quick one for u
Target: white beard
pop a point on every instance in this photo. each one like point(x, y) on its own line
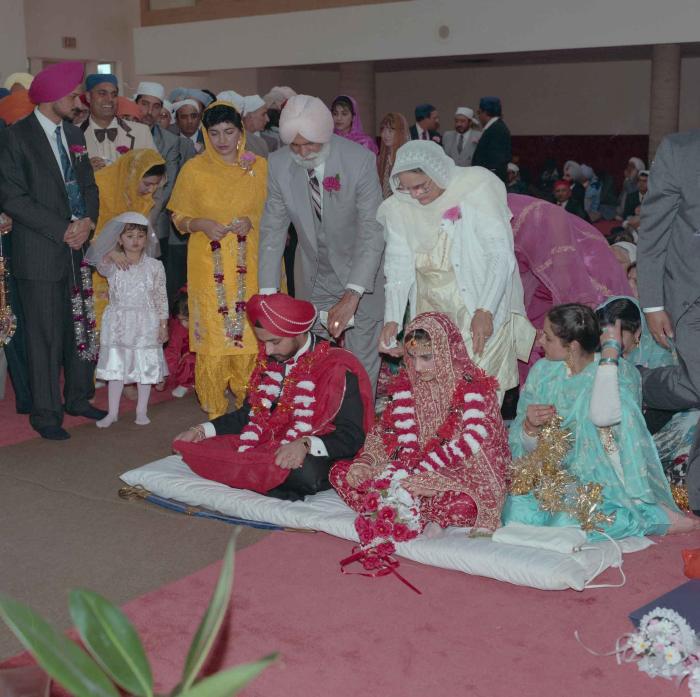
point(314, 160)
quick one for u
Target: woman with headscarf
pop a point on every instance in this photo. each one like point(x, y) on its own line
point(439, 453)
point(127, 185)
point(561, 259)
point(449, 248)
point(393, 132)
point(348, 123)
point(218, 201)
point(673, 432)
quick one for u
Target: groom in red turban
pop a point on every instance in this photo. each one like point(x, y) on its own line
point(308, 405)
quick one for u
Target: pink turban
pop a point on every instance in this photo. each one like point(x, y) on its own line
point(308, 117)
point(56, 81)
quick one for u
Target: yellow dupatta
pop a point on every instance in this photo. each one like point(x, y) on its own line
point(209, 187)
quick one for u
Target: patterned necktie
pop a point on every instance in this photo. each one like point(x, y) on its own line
point(75, 196)
point(460, 143)
point(315, 193)
point(101, 133)
point(424, 135)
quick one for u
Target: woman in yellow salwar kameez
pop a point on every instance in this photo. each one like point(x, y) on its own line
point(218, 201)
point(128, 185)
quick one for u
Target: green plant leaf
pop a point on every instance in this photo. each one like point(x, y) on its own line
point(211, 622)
point(55, 653)
point(112, 641)
point(229, 682)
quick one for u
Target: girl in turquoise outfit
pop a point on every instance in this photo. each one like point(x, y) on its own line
point(598, 397)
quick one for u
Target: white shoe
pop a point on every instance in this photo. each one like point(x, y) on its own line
point(106, 422)
point(142, 420)
point(180, 391)
point(99, 384)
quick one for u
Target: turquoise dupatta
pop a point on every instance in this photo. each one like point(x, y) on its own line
point(634, 491)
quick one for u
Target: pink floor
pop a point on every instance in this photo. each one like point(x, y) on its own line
point(348, 635)
point(15, 428)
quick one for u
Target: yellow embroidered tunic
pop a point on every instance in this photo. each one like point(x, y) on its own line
point(208, 187)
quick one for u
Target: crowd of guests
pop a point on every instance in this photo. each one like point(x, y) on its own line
point(295, 268)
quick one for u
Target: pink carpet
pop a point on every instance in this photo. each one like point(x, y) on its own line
point(15, 428)
point(349, 635)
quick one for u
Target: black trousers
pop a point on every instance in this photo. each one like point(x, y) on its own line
point(306, 480)
point(50, 347)
point(175, 270)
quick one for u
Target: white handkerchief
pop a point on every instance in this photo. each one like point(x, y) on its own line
point(556, 539)
point(323, 319)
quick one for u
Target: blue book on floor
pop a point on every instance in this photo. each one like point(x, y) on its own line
point(685, 600)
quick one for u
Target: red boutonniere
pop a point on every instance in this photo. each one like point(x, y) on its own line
point(246, 162)
point(452, 214)
point(331, 184)
point(79, 151)
point(123, 149)
point(437, 139)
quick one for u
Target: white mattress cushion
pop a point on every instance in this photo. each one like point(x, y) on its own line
point(522, 564)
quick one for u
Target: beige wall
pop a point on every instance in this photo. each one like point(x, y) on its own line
point(13, 50)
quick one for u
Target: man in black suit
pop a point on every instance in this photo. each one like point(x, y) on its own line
point(329, 387)
point(563, 197)
point(48, 188)
point(427, 124)
point(493, 150)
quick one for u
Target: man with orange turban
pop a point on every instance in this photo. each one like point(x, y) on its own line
point(309, 404)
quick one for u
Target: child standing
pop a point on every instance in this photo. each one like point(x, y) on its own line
point(134, 325)
point(177, 353)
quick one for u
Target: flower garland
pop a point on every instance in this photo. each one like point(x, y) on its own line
point(84, 318)
point(295, 403)
point(233, 326)
point(389, 512)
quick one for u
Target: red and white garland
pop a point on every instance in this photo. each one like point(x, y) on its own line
point(83, 312)
point(389, 512)
point(233, 326)
point(294, 412)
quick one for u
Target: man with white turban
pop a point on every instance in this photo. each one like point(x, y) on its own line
point(461, 143)
point(254, 120)
point(328, 188)
point(188, 119)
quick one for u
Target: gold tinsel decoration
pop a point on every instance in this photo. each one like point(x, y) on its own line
point(557, 491)
point(680, 496)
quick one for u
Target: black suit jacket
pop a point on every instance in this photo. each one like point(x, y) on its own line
point(434, 135)
point(33, 194)
point(631, 203)
point(574, 207)
point(493, 150)
point(342, 443)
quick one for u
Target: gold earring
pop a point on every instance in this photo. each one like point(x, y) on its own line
point(569, 360)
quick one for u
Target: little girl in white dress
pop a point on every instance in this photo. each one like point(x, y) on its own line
point(135, 323)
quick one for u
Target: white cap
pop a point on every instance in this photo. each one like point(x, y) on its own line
point(232, 97)
point(252, 103)
point(512, 167)
point(186, 102)
point(466, 111)
point(150, 89)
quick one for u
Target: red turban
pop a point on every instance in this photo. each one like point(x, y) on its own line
point(562, 182)
point(281, 314)
point(56, 81)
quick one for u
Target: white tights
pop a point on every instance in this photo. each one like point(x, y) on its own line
point(114, 395)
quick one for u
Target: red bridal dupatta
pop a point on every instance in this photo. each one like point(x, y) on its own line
point(446, 435)
point(562, 259)
point(311, 396)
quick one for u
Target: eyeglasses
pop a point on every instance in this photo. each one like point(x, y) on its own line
point(418, 189)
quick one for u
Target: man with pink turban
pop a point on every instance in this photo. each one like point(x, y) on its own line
point(328, 188)
point(48, 188)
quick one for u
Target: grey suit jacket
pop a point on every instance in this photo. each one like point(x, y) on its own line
point(33, 194)
point(450, 140)
point(168, 145)
point(353, 236)
point(668, 250)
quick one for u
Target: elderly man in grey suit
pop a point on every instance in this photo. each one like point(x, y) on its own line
point(461, 143)
point(175, 150)
point(328, 188)
point(668, 259)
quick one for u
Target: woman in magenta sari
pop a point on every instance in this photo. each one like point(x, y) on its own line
point(348, 123)
point(562, 259)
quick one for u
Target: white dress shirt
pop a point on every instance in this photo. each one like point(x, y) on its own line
point(491, 121)
point(50, 129)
